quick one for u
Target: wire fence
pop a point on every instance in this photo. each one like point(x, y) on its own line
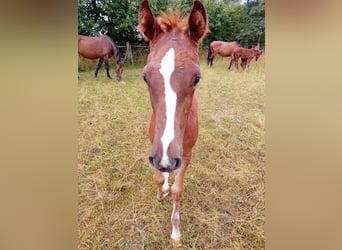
point(134, 53)
point(130, 54)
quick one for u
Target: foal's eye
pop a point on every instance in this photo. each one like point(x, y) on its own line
point(196, 80)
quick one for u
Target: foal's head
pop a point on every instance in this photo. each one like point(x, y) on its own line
point(171, 74)
point(257, 54)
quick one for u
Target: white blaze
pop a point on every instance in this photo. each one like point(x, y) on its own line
point(167, 66)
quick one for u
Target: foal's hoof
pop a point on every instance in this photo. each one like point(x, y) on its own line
point(161, 197)
point(176, 242)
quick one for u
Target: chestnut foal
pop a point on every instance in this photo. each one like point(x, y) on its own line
point(246, 56)
point(171, 74)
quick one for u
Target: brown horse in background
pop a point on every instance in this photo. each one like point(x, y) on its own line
point(171, 74)
point(246, 55)
point(221, 48)
point(103, 48)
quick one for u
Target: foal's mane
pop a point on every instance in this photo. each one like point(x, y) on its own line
point(118, 55)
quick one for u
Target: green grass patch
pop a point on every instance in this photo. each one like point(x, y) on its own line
point(224, 200)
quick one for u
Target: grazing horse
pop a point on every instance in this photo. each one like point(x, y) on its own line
point(246, 56)
point(171, 73)
point(101, 47)
point(221, 48)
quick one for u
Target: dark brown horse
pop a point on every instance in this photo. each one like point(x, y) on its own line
point(171, 74)
point(246, 55)
point(221, 48)
point(103, 48)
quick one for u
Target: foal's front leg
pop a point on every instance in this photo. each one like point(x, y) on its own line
point(177, 190)
point(162, 182)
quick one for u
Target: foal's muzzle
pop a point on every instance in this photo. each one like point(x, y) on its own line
point(173, 163)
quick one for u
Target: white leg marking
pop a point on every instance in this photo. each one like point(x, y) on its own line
point(175, 218)
point(166, 187)
point(167, 66)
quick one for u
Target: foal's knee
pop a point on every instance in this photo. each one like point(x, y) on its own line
point(158, 179)
point(177, 192)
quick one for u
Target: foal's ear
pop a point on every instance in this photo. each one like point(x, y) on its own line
point(198, 22)
point(147, 23)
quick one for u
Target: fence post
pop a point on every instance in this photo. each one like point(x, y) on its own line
point(129, 54)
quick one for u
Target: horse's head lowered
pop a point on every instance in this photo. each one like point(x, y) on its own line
point(118, 69)
point(172, 73)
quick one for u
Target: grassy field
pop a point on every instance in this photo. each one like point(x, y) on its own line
point(224, 200)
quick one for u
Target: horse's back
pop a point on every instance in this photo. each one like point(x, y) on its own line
point(107, 45)
point(94, 47)
point(224, 48)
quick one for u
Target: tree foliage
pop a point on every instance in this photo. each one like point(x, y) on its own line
point(228, 19)
point(117, 19)
point(253, 30)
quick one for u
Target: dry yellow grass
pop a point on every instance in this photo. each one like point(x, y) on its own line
point(224, 201)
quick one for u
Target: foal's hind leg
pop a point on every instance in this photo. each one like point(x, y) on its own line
point(162, 182)
point(98, 66)
point(236, 62)
point(247, 64)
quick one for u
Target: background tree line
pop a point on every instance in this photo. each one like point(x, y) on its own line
point(229, 20)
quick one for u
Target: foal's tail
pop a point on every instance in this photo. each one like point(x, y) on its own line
point(209, 56)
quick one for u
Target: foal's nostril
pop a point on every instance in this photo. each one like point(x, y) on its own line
point(178, 163)
point(172, 163)
point(151, 160)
